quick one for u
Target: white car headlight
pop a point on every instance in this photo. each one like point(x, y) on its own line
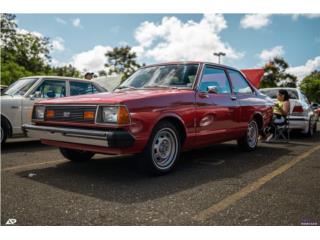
point(110, 114)
point(38, 112)
point(114, 115)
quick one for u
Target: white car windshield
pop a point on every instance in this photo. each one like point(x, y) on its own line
point(20, 87)
point(162, 76)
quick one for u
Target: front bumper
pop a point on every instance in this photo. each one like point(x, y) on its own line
point(108, 139)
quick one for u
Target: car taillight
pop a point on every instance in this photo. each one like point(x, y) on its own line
point(297, 109)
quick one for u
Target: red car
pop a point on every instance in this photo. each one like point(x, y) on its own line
point(158, 112)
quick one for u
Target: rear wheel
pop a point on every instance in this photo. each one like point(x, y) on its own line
point(76, 155)
point(311, 129)
point(4, 133)
point(249, 142)
point(162, 151)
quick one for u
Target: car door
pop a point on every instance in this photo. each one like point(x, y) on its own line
point(246, 97)
point(48, 88)
point(216, 111)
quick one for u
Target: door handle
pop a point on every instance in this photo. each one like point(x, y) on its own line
point(233, 98)
point(203, 95)
point(14, 107)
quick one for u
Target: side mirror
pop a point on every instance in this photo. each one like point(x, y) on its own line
point(212, 89)
point(36, 94)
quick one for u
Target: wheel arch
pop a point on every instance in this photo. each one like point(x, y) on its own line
point(177, 122)
point(259, 119)
point(5, 120)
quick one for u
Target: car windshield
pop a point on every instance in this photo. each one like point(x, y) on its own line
point(162, 76)
point(272, 93)
point(20, 87)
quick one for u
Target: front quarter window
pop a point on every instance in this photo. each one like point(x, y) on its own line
point(239, 84)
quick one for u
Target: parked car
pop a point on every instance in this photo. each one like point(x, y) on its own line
point(18, 99)
point(158, 112)
point(301, 115)
point(316, 109)
point(3, 88)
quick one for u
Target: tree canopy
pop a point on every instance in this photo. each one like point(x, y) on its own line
point(275, 74)
point(310, 85)
point(123, 61)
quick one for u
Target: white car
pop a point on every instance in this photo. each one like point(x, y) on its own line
point(301, 115)
point(18, 99)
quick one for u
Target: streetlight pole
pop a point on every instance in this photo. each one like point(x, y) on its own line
point(219, 54)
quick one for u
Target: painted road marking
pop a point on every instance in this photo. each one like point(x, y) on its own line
point(32, 165)
point(230, 200)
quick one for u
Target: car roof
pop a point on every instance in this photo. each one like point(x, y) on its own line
point(276, 88)
point(191, 62)
point(58, 77)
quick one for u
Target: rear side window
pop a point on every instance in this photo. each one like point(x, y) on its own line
point(239, 84)
point(214, 77)
point(80, 88)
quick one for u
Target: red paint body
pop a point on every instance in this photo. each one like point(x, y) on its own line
point(205, 120)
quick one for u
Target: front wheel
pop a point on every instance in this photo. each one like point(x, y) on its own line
point(76, 155)
point(249, 142)
point(163, 149)
point(4, 133)
point(312, 129)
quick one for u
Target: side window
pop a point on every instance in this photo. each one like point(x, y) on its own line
point(80, 88)
point(214, 77)
point(52, 89)
point(239, 84)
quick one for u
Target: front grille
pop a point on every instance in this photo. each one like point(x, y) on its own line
point(70, 113)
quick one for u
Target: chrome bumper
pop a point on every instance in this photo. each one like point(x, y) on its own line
point(113, 139)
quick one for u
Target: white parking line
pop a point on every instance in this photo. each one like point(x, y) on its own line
point(32, 165)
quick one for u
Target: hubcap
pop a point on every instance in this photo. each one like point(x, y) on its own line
point(164, 148)
point(252, 134)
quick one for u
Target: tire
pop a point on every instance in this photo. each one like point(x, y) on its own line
point(4, 133)
point(311, 129)
point(76, 155)
point(162, 151)
point(249, 142)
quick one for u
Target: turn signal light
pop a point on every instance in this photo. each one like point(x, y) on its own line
point(123, 115)
point(88, 115)
point(49, 114)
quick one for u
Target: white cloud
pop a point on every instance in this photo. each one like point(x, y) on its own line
point(173, 39)
point(24, 31)
point(303, 70)
point(307, 15)
point(268, 54)
point(92, 60)
point(60, 20)
point(76, 22)
point(255, 21)
point(57, 44)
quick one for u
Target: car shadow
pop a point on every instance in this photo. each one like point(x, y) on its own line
point(116, 179)
point(24, 146)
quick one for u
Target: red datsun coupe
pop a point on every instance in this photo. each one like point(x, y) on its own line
point(158, 112)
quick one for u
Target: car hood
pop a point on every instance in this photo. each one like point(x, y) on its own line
point(120, 97)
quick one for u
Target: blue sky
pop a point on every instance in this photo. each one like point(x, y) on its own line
point(249, 40)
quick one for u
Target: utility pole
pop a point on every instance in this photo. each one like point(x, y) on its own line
point(219, 54)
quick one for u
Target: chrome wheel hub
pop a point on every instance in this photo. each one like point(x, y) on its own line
point(252, 134)
point(164, 148)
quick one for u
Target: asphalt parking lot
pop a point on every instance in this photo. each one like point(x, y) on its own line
point(278, 184)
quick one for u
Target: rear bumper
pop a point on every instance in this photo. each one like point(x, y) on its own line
point(298, 122)
point(108, 139)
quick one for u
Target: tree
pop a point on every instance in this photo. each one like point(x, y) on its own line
point(122, 60)
point(67, 71)
point(310, 85)
point(22, 53)
point(275, 74)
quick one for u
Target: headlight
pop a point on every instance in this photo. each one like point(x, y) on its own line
point(38, 112)
point(114, 115)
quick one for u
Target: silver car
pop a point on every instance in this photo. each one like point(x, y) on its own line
point(302, 116)
point(18, 99)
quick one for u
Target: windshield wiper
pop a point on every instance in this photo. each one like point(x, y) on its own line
point(159, 86)
point(126, 87)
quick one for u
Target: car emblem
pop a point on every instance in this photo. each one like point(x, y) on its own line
point(66, 114)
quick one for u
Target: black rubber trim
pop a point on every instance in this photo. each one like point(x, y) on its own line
point(120, 139)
